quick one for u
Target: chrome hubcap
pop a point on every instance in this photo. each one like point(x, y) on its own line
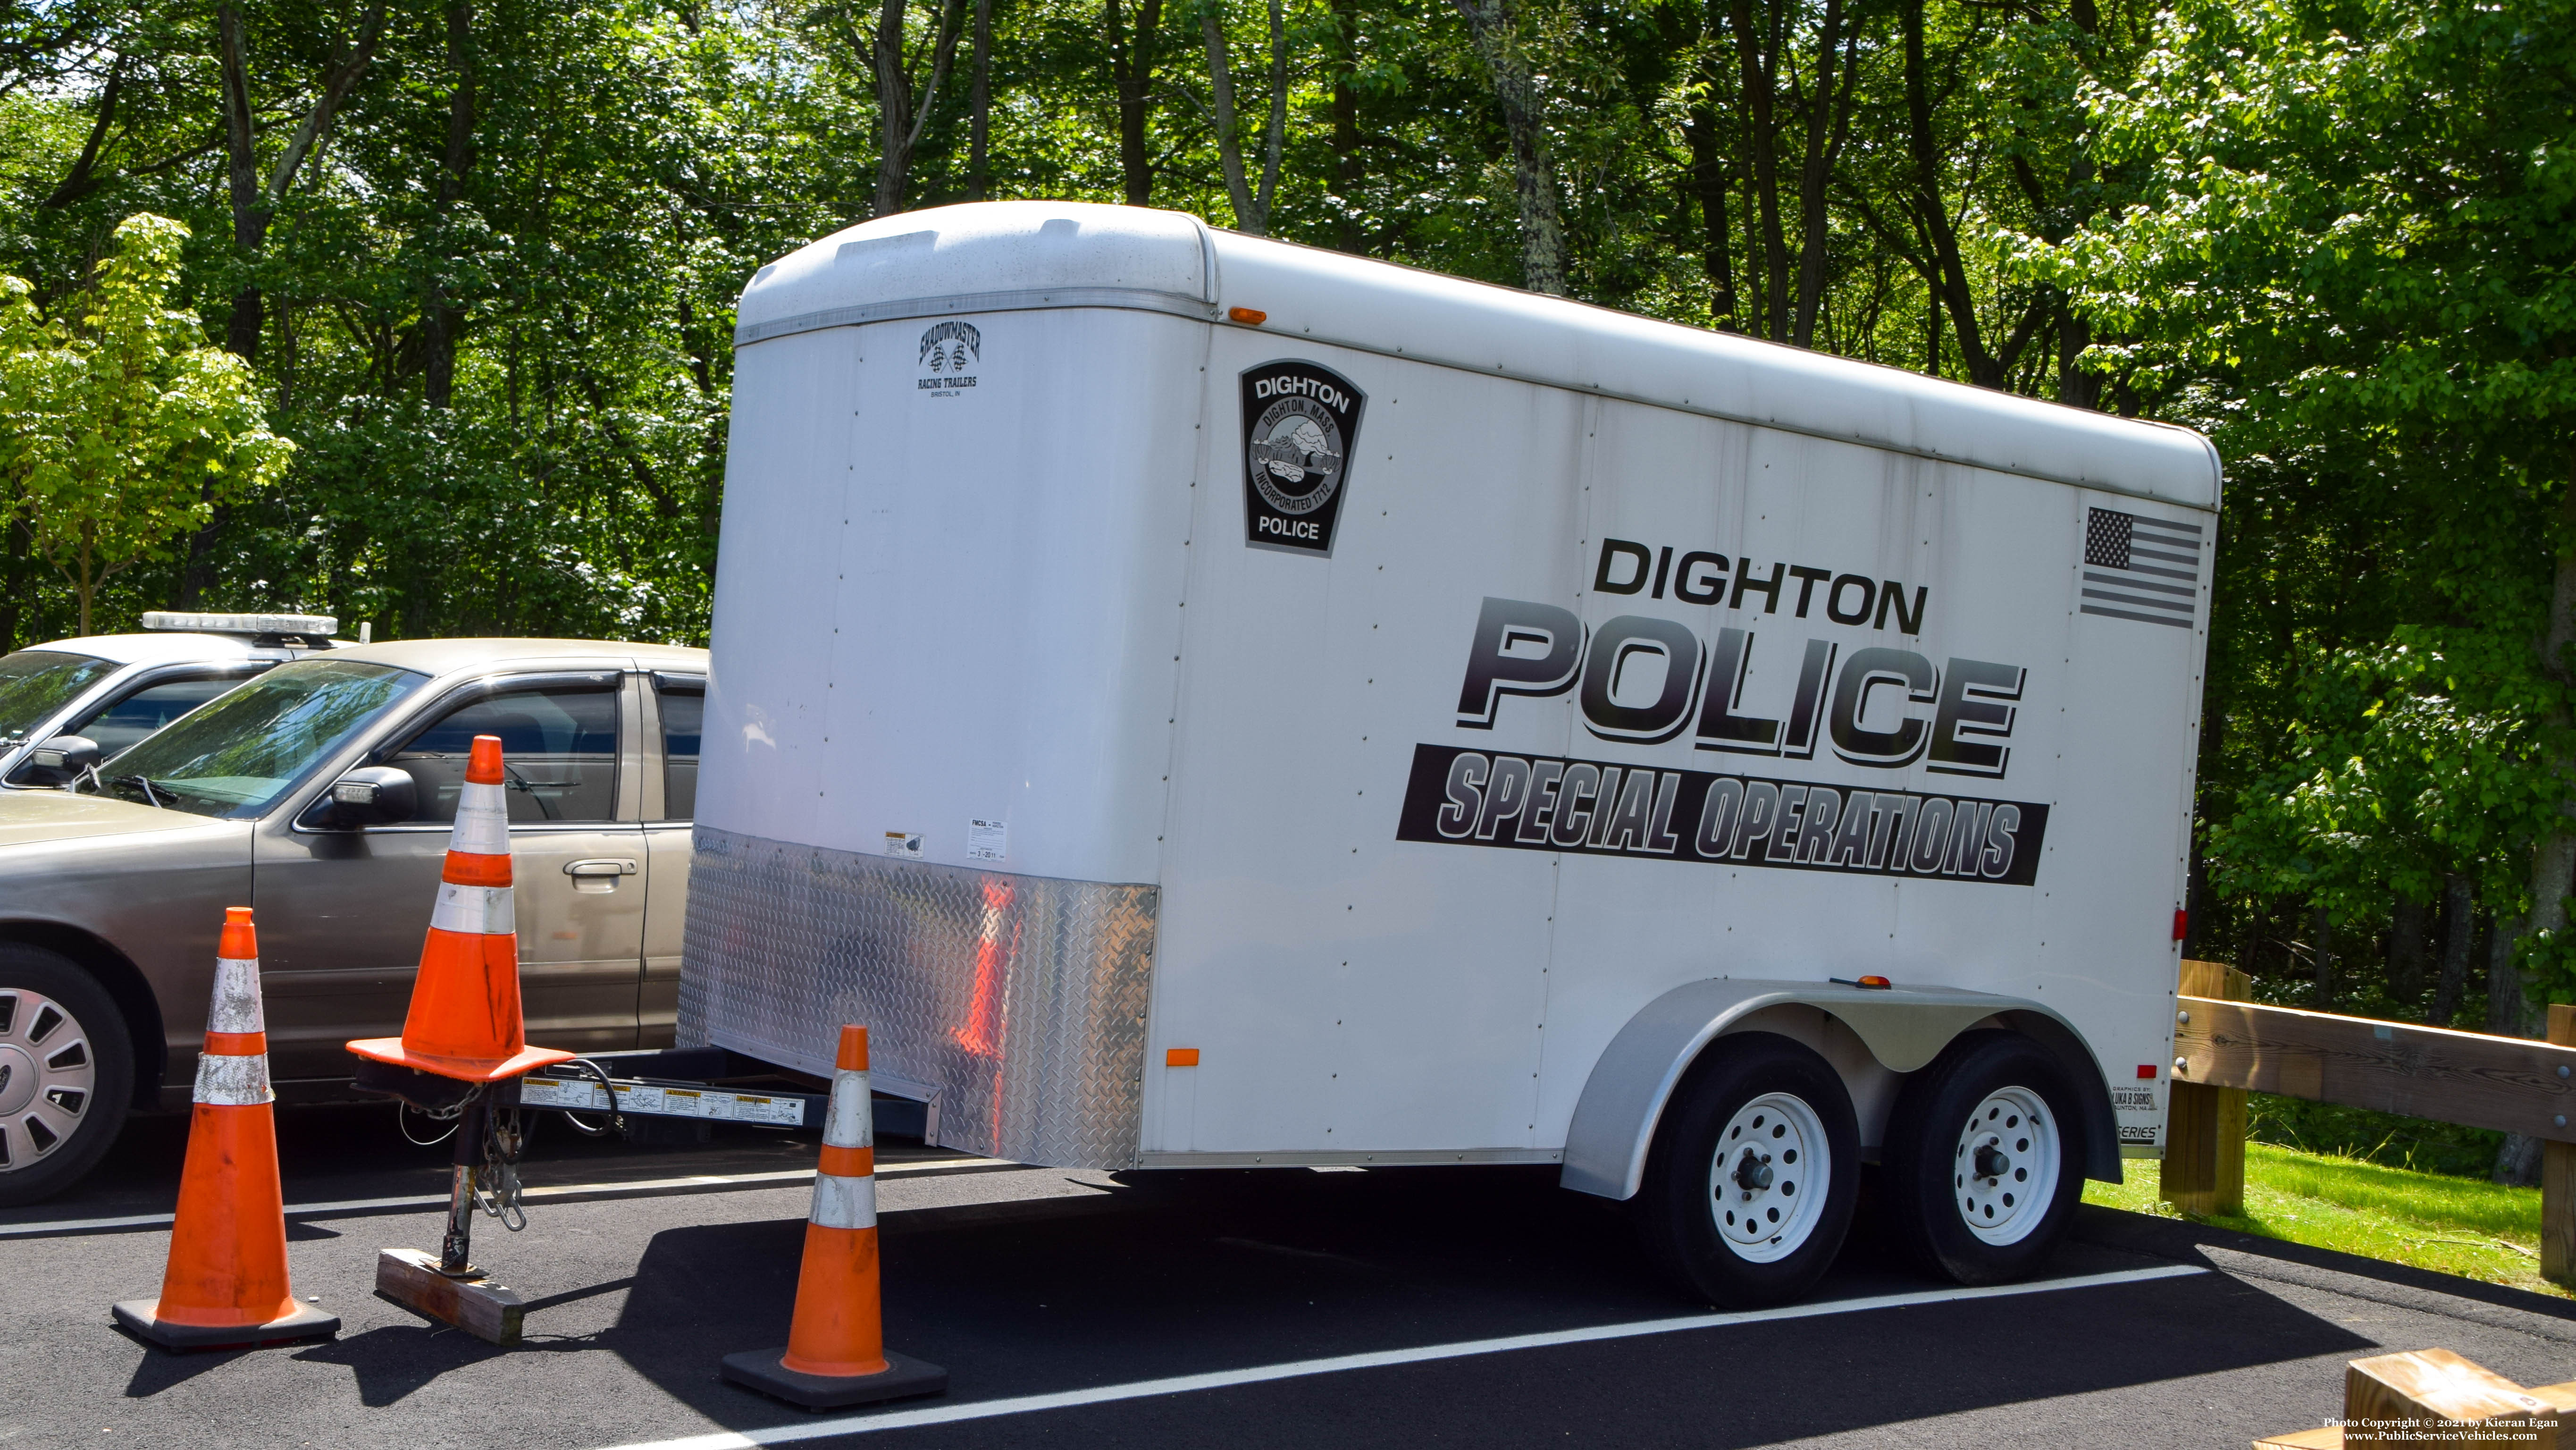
point(1767, 1180)
point(47, 1075)
point(2004, 1171)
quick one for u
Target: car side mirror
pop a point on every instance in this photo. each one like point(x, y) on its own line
point(59, 761)
point(371, 795)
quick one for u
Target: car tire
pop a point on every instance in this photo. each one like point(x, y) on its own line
point(1984, 1159)
point(66, 1073)
point(1749, 1187)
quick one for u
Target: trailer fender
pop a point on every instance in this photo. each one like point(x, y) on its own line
point(1904, 1028)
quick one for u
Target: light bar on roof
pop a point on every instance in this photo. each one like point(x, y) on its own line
point(310, 626)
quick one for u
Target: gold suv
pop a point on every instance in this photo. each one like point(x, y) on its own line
point(320, 794)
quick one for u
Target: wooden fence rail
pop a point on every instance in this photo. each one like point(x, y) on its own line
point(2226, 1046)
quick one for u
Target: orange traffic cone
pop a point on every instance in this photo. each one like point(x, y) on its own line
point(226, 1281)
point(465, 1021)
point(836, 1352)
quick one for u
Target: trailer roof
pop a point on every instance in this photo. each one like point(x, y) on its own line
point(1003, 256)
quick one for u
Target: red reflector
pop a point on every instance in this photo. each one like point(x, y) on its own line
point(2146, 1072)
point(2182, 923)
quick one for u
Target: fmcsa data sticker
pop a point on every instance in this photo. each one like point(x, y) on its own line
point(1301, 422)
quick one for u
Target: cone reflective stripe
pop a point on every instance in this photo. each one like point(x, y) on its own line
point(836, 1352)
point(232, 1072)
point(225, 1283)
point(465, 1020)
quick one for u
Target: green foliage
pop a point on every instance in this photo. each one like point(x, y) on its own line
point(490, 305)
point(120, 430)
point(2450, 1224)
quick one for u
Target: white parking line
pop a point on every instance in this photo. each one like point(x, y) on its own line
point(565, 1190)
point(1258, 1374)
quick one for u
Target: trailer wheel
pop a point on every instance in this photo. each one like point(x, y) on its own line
point(1984, 1159)
point(1750, 1186)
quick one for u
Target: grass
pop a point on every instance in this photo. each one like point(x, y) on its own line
point(2453, 1225)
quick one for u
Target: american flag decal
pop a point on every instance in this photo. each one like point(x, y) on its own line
point(2142, 569)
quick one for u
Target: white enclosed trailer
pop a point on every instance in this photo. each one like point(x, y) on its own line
point(1205, 701)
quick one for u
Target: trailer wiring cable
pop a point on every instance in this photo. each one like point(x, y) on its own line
point(616, 1119)
point(497, 1190)
point(453, 1116)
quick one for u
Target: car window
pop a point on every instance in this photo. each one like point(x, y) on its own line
point(238, 754)
point(558, 753)
point(34, 683)
point(125, 723)
point(683, 712)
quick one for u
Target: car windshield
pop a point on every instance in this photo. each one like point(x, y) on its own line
point(34, 683)
point(236, 756)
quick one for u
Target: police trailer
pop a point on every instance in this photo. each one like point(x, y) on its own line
point(1203, 701)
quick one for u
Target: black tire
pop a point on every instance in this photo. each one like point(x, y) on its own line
point(1703, 1208)
point(61, 1107)
point(1946, 1216)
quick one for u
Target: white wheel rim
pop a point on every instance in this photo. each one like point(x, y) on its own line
point(1768, 1178)
point(47, 1076)
point(2003, 1174)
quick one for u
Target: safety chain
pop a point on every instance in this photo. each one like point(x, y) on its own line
point(496, 1184)
point(452, 1115)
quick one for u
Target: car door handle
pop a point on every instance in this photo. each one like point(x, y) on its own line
point(600, 866)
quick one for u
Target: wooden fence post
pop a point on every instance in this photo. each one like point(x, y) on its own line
point(2558, 1178)
point(2203, 1172)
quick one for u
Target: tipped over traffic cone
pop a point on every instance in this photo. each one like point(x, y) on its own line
point(465, 1022)
point(836, 1352)
point(226, 1281)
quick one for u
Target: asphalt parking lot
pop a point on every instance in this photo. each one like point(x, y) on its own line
point(1477, 1307)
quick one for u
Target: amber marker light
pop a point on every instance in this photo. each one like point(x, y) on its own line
point(1248, 316)
point(1180, 1057)
point(1876, 983)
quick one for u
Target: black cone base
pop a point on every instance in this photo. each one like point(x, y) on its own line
point(902, 1378)
point(141, 1317)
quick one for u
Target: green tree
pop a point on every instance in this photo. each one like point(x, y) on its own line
point(120, 429)
point(2354, 261)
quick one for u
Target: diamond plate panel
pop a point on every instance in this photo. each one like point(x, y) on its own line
point(1018, 1001)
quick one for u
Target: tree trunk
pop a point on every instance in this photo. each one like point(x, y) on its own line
point(252, 204)
point(1229, 147)
point(1708, 187)
point(1346, 123)
point(1757, 64)
point(1491, 26)
point(1131, 72)
point(2406, 951)
point(2321, 948)
point(1251, 208)
point(899, 119)
point(2553, 856)
point(2459, 933)
point(1824, 120)
point(250, 223)
point(979, 104)
point(83, 178)
point(1948, 277)
point(1274, 130)
point(440, 320)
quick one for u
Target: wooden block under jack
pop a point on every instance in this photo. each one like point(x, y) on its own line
point(482, 1308)
point(2429, 1393)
